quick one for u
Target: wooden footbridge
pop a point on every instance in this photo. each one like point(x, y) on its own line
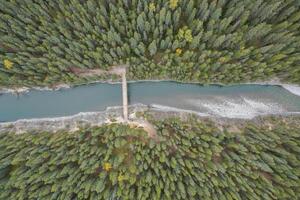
point(121, 70)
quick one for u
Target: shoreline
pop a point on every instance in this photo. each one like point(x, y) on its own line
point(71, 122)
point(141, 106)
point(98, 118)
point(111, 114)
point(293, 88)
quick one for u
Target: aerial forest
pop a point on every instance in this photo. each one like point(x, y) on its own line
point(49, 42)
point(189, 159)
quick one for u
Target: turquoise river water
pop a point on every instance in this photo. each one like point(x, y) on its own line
point(240, 101)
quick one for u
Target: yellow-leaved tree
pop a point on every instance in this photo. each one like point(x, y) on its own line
point(107, 166)
point(152, 7)
point(173, 4)
point(178, 51)
point(7, 64)
point(185, 34)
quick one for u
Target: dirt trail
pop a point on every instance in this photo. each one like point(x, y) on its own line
point(118, 70)
point(149, 128)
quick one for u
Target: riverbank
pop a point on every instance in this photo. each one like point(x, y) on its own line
point(293, 88)
point(136, 113)
point(71, 123)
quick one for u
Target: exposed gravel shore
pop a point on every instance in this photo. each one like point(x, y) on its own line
point(71, 123)
point(114, 114)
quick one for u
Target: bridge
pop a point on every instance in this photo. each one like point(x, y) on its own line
point(121, 70)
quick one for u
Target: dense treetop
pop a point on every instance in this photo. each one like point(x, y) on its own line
point(45, 42)
point(187, 160)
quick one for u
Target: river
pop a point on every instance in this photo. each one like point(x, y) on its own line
point(238, 101)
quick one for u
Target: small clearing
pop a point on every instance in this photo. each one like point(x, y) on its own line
point(118, 70)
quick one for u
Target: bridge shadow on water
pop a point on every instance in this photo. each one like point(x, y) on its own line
point(129, 93)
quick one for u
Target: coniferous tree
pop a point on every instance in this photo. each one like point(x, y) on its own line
point(48, 38)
